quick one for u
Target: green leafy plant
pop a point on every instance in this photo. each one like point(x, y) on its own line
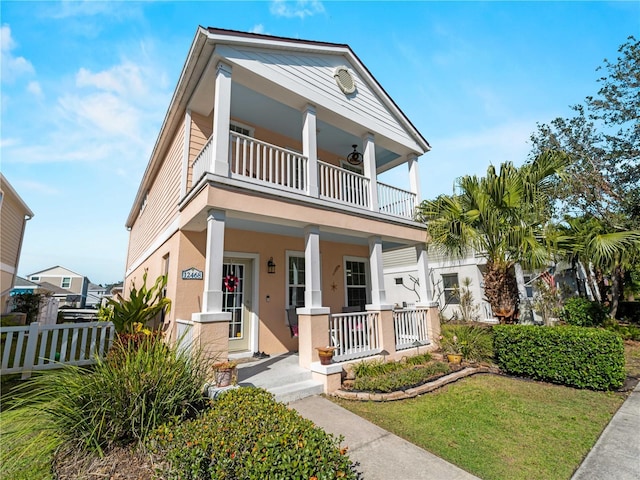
point(401, 378)
point(247, 434)
point(627, 332)
point(573, 356)
point(122, 399)
point(474, 343)
point(581, 312)
point(141, 307)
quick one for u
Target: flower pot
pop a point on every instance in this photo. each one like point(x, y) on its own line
point(223, 377)
point(454, 358)
point(326, 355)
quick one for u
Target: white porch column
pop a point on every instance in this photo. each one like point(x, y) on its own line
point(212, 295)
point(414, 176)
point(313, 287)
point(424, 289)
point(378, 293)
point(185, 153)
point(310, 147)
point(369, 160)
point(221, 118)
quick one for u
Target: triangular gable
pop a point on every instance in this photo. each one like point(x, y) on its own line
point(57, 270)
point(311, 75)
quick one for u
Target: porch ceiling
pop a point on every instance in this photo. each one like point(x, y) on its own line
point(255, 108)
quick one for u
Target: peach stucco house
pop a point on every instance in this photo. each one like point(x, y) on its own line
point(271, 239)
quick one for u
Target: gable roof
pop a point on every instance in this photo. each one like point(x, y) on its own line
point(49, 287)
point(209, 42)
point(63, 269)
point(24, 283)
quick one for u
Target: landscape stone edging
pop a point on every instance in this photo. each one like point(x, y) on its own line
point(413, 392)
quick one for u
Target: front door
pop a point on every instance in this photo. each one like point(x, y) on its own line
point(236, 299)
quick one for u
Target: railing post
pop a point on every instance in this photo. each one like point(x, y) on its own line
point(370, 172)
point(30, 354)
point(310, 148)
point(221, 117)
point(387, 332)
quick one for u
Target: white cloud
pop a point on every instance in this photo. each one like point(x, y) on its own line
point(31, 186)
point(124, 79)
point(298, 8)
point(35, 89)
point(259, 28)
point(12, 66)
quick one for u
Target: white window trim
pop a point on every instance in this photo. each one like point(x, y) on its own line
point(62, 282)
point(289, 254)
point(367, 272)
point(444, 289)
point(251, 130)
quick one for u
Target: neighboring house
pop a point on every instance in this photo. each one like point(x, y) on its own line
point(14, 215)
point(71, 288)
point(95, 293)
point(447, 277)
point(22, 285)
point(252, 204)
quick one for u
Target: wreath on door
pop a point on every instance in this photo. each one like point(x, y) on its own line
point(231, 283)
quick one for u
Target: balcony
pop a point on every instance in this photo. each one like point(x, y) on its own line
point(259, 163)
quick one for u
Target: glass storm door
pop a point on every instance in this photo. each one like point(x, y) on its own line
point(236, 299)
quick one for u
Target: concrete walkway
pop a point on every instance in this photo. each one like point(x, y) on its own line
point(382, 455)
point(616, 454)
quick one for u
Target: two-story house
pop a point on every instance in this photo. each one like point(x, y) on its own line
point(262, 204)
point(70, 287)
point(14, 214)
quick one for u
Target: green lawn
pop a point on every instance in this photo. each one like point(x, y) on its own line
point(498, 427)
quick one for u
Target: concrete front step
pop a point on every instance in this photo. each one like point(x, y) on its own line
point(280, 375)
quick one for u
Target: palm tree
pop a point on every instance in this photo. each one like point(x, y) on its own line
point(502, 217)
point(605, 250)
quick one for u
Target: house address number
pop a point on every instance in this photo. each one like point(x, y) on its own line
point(192, 274)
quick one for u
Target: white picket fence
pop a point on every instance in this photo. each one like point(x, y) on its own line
point(45, 347)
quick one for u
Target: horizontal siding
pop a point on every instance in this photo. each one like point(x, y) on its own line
point(316, 72)
point(200, 130)
point(399, 258)
point(162, 201)
point(12, 222)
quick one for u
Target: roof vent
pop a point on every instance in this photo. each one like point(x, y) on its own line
point(344, 80)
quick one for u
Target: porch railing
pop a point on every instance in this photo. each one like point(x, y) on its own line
point(354, 335)
point(265, 164)
point(262, 162)
point(45, 347)
point(396, 201)
point(410, 327)
point(343, 186)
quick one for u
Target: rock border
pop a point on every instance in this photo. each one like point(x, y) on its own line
point(415, 391)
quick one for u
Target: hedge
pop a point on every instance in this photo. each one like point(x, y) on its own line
point(574, 356)
point(248, 435)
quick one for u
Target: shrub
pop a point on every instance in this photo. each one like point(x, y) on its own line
point(573, 356)
point(581, 312)
point(123, 398)
point(627, 332)
point(247, 434)
point(372, 368)
point(418, 359)
point(472, 342)
point(400, 379)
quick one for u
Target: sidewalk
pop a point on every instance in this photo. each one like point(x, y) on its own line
point(616, 454)
point(382, 455)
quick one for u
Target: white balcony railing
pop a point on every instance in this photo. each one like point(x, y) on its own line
point(410, 328)
point(396, 201)
point(271, 166)
point(261, 162)
point(343, 186)
point(354, 335)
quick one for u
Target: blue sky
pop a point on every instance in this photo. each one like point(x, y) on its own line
point(85, 87)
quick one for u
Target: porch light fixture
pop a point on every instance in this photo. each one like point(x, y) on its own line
point(271, 267)
point(355, 157)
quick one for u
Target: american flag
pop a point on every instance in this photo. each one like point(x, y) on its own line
point(548, 278)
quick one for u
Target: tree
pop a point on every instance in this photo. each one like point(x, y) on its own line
point(601, 192)
point(501, 216)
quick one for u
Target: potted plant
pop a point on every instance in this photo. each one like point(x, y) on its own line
point(452, 348)
point(224, 372)
point(326, 354)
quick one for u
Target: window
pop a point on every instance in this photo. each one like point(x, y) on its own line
point(35, 278)
point(450, 285)
point(241, 129)
point(528, 285)
point(356, 273)
point(295, 280)
point(145, 200)
point(66, 282)
point(398, 280)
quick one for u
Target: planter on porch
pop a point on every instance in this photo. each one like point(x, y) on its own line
point(326, 354)
point(224, 373)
